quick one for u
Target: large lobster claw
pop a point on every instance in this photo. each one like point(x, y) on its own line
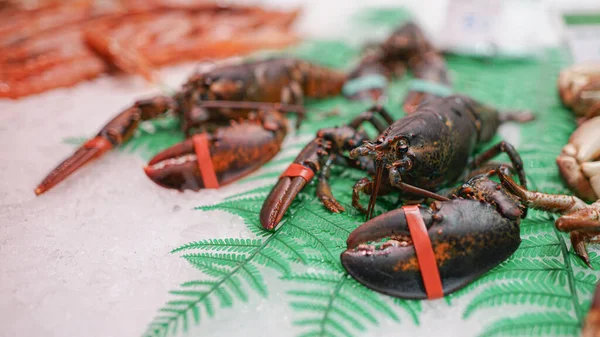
point(468, 238)
point(219, 158)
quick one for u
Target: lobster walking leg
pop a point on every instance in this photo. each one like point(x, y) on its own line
point(513, 155)
point(324, 189)
point(578, 218)
point(115, 133)
point(550, 202)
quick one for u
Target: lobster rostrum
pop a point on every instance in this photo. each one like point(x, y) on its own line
point(420, 153)
point(470, 234)
point(406, 48)
point(255, 94)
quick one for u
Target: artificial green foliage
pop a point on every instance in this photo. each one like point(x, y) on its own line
point(231, 268)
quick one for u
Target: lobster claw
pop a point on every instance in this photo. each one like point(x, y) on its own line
point(280, 199)
point(390, 268)
point(217, 159)
point(92, 149)
point(468, 238)
point(177, 167)
point(290, 183)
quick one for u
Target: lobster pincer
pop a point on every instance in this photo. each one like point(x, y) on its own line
point(429, 252)
point(317, 157)
point(211, 160)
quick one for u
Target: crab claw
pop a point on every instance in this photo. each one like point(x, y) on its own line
point(468, 239)
point(92, 149)
point(214, 160)
point(576, 161)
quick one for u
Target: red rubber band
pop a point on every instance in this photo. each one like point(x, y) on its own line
point(205, 164)
point(297, 170)
point(98, 143)
point(429, 269)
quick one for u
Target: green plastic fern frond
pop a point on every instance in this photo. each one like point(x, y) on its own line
point(334, 304)
point(228, 245)
point(232, 268)
point(536, 324)
point(520, 294)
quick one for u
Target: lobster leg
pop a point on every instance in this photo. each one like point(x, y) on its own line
point(115, 133)
point(324, 189)
point(513, 155)
point(550, 202)
point(580, 219)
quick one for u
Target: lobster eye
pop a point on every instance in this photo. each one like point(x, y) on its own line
point(403, 145)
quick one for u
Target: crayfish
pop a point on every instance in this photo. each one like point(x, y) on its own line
point(255, 94)
point(423, 152)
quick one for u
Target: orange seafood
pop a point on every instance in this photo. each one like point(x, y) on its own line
point(58, 44)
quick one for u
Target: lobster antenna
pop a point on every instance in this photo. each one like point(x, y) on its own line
point(252, 105)
point(378, 175)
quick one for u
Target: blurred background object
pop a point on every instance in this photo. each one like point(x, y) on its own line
point(51, 44)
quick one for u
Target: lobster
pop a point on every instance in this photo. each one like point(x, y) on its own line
point(470, 234)
point(406, 47)
point(210, 102)
point(423, 152)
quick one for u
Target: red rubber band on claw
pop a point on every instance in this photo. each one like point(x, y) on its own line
point(422, 243)
point(297, 170)
point(205, 164)
point(98, 143)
